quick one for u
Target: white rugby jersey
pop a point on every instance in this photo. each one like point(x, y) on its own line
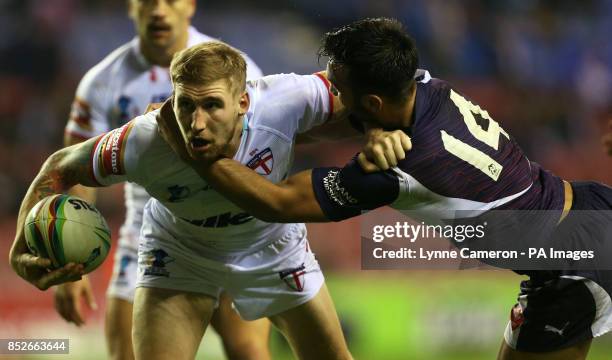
point(184, 205)
point(117, 90)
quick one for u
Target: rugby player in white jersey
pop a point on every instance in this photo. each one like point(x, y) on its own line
point(116, 90)
point(194, 243)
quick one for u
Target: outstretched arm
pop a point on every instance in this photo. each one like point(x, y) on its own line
point(62, 170)
point(292, 200)
point(317, 195)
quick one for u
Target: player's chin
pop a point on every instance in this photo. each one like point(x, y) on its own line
point(203, 156)
point(161, 41)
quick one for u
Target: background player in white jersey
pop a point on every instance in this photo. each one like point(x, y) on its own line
point(116, 90)
point(194, 243)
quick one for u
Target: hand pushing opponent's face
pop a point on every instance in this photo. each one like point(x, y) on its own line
point(209, 118)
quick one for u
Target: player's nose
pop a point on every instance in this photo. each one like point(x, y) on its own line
point(199, 120)
point(160, 8)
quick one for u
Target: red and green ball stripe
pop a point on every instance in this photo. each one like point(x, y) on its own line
point(55, 228)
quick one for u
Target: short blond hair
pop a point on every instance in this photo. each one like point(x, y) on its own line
point(209, 62)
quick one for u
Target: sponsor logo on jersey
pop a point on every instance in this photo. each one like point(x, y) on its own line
point(516, 317)
point(111, 158)
point(294, 278)
point(155, 261)
point(80, 114)
point(262, 162)
point(222, 220)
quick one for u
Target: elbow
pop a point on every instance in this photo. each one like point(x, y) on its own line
point(55, 168)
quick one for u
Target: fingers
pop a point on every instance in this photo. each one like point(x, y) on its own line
point(366, 165)
point(398, 148)
point(386, 149)
point(70, 272)
point(405, 140)
point(89, 297)
point(31, 261)
point(66, 300)
point(76, 311)
point(389, 152)
point(31, 267)
point(401, 143)
point(377, 155)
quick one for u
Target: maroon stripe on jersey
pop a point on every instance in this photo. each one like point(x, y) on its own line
point(93, 161)
point(80, 113)
point(114, 149)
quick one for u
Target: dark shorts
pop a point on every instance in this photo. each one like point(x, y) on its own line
point(559, 309)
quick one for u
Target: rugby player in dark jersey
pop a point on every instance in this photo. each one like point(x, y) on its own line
point(460, 159)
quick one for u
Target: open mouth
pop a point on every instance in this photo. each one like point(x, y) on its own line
point(199, 144)
point(159, 29)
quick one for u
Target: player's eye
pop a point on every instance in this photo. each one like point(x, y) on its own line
point(186, 105)
point(211, 105)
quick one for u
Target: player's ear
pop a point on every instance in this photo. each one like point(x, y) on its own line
point(372, 103)
point(244, 103)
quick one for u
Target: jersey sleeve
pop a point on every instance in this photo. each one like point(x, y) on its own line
point(293, 103)
point(88, 114)
point(253, 71)
point(115, 156)
point(346, 192)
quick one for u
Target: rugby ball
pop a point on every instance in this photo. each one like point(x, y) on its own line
point(66, 229)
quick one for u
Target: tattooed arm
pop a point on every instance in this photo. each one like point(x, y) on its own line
point(62, 170)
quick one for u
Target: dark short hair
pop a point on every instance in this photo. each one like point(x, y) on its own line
point(380, 56)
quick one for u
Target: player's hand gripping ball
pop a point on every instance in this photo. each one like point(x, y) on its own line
point(67, 229)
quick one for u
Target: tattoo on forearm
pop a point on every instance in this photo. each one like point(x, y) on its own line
point(48, 185)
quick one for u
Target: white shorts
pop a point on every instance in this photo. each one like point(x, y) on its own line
point(268, 281)
point(125, 273)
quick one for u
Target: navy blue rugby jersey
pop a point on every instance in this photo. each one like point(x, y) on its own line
point(461, 159)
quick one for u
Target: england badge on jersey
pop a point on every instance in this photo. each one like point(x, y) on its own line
point(262, 162)
point(294, 278)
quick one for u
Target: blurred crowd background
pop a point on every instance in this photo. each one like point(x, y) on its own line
point(543, 69)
